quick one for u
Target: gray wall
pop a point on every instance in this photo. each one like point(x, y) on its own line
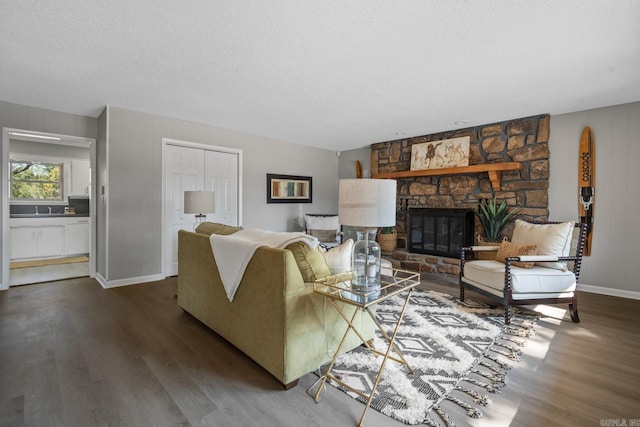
point(41, 120)
point(38, 119)
point(613, 261)
point(101, 206)
point(348, 171)
point(129, 166)
point(133, 184)
point(47, 149)
point(348, 162)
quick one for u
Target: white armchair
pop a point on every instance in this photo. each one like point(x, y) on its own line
point(536, 267)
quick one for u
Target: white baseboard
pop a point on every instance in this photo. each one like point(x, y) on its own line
point(107, 284)
point(609, 291)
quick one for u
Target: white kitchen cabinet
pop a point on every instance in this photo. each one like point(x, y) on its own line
point(77, 238)
point(33, 238)
point(51, 241)
point(24, 243)
point(80, 178)
point(40, 241)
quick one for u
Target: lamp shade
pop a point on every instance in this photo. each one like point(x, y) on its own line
point(367, 203)
point(199, 202)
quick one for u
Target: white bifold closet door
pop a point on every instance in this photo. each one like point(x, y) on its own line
point(188, 169)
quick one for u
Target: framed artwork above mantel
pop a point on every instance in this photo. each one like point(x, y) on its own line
point(289, 189)
point(442, 154)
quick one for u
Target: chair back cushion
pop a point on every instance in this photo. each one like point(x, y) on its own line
point(551, 239)
point(324, 236)
point(325, 227)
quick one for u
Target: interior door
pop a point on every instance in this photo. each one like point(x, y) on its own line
point(221, 177)
point(188, 168)
point(184, 171)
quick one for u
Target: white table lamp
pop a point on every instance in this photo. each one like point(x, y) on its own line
point(367, 204)
point(199, 203)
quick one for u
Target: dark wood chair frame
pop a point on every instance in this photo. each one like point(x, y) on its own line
point(507, 298)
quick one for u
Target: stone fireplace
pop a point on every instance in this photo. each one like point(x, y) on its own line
point(524, 141)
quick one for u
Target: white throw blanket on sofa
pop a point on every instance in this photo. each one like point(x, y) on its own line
point(233, 252)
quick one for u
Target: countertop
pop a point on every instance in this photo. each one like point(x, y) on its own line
point(46, 215)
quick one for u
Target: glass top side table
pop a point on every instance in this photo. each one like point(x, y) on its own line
point(338, 288)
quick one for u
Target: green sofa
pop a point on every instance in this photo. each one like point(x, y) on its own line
point(275, 318)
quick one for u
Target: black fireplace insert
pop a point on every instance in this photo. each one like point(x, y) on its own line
point(440, 232)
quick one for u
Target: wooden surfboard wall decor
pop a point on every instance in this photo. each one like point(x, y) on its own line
point(586, 183)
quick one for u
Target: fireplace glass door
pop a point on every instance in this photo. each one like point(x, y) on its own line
point(441, 232)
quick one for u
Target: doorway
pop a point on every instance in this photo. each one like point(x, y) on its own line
point(50, 235)
point(191, 166)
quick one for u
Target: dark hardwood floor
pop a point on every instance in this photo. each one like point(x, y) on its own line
point(74, 354)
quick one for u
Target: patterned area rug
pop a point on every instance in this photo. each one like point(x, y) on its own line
point(459, 351)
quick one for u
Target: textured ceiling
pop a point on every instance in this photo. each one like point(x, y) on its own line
point(327, 73)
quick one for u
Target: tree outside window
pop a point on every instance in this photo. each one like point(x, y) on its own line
point(36, 181)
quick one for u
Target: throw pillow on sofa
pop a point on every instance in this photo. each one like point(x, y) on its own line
point(310, 262)
point(338, 258)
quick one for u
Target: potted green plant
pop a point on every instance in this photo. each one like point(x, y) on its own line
point(388, 238)
point(494, 217)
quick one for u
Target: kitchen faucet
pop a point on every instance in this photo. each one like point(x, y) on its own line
point(49, 207)
point(37, 213)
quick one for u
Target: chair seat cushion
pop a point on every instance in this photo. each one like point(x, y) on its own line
point(536, 280)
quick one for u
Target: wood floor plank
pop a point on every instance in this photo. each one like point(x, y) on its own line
point(43, 404)
point(74, 354)
point(12, 411)
point(190, 399)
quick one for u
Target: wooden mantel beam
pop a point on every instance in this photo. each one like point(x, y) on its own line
point(494, 169)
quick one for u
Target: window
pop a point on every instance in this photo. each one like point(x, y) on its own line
point(36, 181)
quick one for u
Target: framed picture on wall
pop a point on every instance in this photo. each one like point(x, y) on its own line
point(446, 153)
point(288, 189)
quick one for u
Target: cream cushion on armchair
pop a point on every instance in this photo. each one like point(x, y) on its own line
point(551, 239)
point(526, 283)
